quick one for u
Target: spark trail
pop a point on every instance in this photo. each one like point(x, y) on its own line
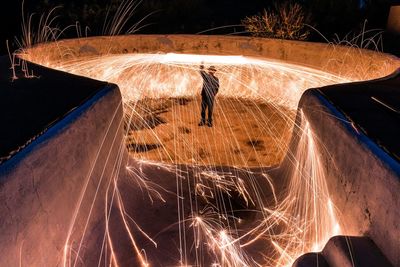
point(226, 216)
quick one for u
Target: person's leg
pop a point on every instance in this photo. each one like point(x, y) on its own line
point(203, 111)
point(210, 111)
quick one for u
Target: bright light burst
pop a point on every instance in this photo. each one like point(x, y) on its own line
point(175, 75)
point(214, 202)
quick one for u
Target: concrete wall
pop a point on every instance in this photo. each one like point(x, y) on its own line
point(43, 185)
point(357, 64)
point(362, 179)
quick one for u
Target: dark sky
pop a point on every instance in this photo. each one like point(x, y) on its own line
point(193, 16)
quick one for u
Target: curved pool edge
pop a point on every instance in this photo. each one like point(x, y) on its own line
point(53, 189)
point(345, 61)
point(363, 178)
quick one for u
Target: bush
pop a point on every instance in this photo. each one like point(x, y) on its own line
point(287, 21)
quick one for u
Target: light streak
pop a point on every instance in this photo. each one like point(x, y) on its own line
point(274, 81)
point(210, 197)
point(385, 104)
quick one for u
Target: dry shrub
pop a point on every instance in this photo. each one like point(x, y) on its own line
point(287, 21)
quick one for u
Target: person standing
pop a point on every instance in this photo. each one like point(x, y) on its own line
point(208, 93)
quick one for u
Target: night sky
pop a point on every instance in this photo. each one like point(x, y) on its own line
point(194, 16)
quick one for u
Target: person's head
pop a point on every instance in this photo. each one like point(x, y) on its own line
point(212, 69)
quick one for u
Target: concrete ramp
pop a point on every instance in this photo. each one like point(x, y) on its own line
point(357, 126)
point(345, 251)
point(66, 145)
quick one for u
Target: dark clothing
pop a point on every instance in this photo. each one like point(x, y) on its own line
point(206, 103)
point(208, 92)
point(210, 84)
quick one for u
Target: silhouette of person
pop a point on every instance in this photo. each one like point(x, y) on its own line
point(208, 92)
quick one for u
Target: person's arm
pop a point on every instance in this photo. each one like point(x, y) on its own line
point(202, 72)
point(216, 85)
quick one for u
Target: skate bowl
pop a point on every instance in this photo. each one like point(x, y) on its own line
point(350, 62)
point(56, 180)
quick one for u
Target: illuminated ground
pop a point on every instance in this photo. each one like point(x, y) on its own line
point(245, 133)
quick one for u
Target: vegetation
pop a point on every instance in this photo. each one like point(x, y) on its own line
point(285, 21)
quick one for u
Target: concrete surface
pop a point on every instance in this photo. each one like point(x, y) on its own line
point(362, 178)
point(350, 62)
point(158, 219)
point(373, 108)
point(311, 260)
point(345, 251)
point(352, 251)
point(55, 185)
point(30, 106)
